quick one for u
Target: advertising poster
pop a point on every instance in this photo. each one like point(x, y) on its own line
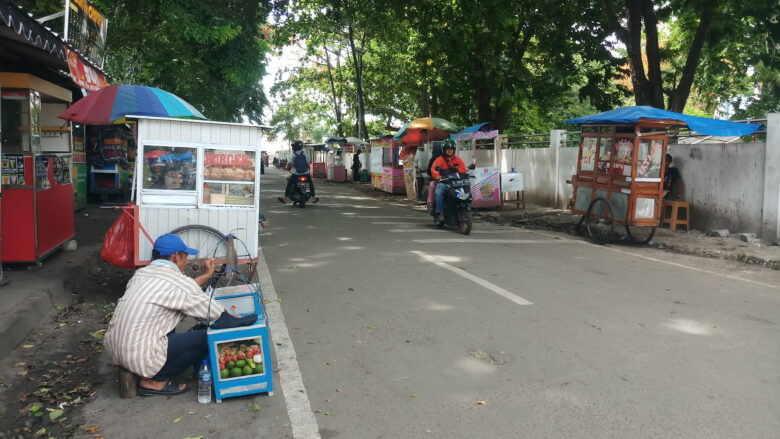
point(485, 188)
point(13, 169)
point(86, 29)
point(409, 179)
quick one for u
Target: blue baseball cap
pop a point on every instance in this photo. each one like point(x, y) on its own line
point(169, 244)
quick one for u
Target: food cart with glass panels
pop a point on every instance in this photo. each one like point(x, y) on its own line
point(621, 164)
point(199, 180)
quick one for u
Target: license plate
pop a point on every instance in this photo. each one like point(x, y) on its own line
point(303, 185)
point(463, 196)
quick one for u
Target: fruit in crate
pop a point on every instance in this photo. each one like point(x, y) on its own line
point(248, 370)
point(224, 373)
point(236, 372)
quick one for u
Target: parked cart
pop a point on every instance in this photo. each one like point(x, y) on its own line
point(621, 164)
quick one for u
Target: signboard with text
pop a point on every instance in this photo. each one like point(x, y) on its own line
point(86, 29)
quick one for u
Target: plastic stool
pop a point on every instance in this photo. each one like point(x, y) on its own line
point(671, 214)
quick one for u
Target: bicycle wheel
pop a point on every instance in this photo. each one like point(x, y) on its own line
point(599, 221)
point(210, 243)
point(640, 235)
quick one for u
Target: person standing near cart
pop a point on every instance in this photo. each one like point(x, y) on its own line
point(356, 165)
point(141, 336)
point(673, 182)
point(300, 166)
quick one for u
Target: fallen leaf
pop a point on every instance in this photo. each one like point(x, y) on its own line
point(412, 395)
point(92, 428)
point(279, 300)
point(34, 409)
point(255, 408)
point(358, 342)
point(22, 373)
point(370, 326)
point(105, 284)
point(55, 414)
point(480, 402)
point(266, 301)
point(190, 413)
point(98, 334)
point(194, 437)
point(81, 360)
point(28, 346)
point(339, 390)
point(327, 363)
point(350, 289)
point(176, 420)
point(328, 413)
point(40, 432)
point(19, 364)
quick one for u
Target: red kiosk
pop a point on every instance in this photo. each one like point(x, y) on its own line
point(37, 214)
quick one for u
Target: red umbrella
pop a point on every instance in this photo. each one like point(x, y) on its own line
point(156, 154)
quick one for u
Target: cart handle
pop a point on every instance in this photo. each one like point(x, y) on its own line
point(140, 226)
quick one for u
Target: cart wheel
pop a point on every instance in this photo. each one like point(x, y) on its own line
point(640, 235)
point(599, 221)
point(211, 243)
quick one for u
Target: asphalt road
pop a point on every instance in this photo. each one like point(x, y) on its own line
point(401, 330)
point(386, 327)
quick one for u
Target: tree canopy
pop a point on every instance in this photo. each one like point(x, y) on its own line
point(211, 54)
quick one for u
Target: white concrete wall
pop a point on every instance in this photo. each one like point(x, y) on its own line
point(770, 227)
point(724, 182)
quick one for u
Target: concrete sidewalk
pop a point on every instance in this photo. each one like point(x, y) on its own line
point(753, 251)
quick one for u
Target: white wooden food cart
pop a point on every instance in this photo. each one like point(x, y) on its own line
point(201, 181)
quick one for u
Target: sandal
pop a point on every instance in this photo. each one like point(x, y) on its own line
point(169, 389)
point(281, 200)
point(315, 200)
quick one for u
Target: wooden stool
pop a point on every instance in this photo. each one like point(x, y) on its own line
point(128, 383)
point(670, 214)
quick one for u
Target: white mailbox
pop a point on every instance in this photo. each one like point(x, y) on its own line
point(512, 182)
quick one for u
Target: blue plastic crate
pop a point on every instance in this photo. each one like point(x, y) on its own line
point(241, 300)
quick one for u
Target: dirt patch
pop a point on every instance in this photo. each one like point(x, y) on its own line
point(54, 373)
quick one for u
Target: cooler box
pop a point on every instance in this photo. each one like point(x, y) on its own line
point(242, 300)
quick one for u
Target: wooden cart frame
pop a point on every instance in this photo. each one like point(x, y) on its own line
point(620, 175)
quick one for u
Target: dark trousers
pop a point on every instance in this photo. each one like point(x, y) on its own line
point(184, 350)
point(356, 174)
point(288, 191)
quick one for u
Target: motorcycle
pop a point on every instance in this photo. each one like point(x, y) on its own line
point(301, 190)
point(457, 202)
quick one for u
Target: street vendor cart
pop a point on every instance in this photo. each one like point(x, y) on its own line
point(199, 180)
point(621, 164)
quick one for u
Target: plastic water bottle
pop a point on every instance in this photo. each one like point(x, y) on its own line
point(204, 383)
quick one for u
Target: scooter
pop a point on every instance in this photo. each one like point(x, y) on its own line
point(457, 202)
point(301, 190)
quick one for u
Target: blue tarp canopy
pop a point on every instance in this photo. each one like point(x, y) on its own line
point(702, 125)
point(485, 126)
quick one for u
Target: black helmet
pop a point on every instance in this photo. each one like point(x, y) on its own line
point(447, 144)
point(297, 145)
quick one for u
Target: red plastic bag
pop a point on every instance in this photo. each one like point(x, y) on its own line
point(118, 243)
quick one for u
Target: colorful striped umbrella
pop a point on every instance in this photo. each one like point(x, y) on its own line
point(113, 103)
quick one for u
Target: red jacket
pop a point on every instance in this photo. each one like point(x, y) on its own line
point(446, 163)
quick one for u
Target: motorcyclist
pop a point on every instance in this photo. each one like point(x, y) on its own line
point(450, 163)
point(300, 166)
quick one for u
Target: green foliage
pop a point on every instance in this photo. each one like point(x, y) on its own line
point(211, 54)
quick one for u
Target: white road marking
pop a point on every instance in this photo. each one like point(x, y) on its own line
point(432, 229)
point(492, 287)
point(384, 217)
point(302, 420)
point(497, 241)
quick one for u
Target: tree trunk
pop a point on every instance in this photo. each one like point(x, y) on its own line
point(633, 42)
point(336, 100)
point(482, 89)
point(679, 96)
point(357, 59)
point(655, 83)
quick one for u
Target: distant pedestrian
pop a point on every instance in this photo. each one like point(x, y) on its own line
point(356, 165)
point(673, 182)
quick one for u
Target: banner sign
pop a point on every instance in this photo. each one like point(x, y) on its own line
point(485, 189)
point(85, 76)
point(86, 29)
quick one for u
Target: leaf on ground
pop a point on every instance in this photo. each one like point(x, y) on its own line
point(412, 395)
point(176, 420)
point(339, 390)
point(370, 326)
point(98, 334)
point(480, 402)
point(194, 437)
point(40, 432)
point(60, 307)
point(55, 414)
point(480, 354)
point(328, 413)
point(92, 428)
point(34, 409)
point(19, 364)
point(350, 289)
point(28, 346)
point(22, 373)
point(255, 408)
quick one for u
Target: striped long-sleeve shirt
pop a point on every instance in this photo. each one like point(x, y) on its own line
point(156, 300)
